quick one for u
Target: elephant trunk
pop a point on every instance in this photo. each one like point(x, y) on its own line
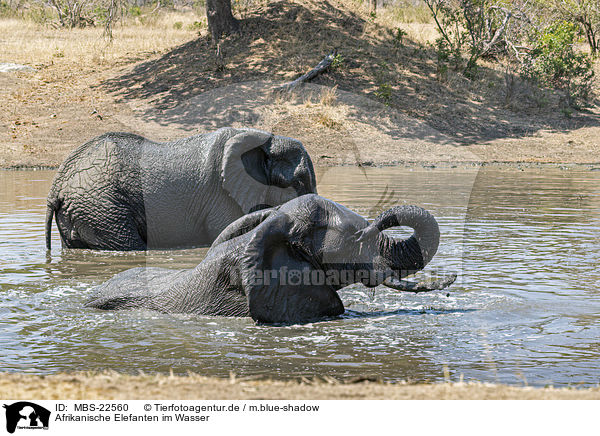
point(407, 256)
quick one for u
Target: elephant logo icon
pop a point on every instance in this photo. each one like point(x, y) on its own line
point(26, 415)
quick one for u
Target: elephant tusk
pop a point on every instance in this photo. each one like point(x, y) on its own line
point(406, 286)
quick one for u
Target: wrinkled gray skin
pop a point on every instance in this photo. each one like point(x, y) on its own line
point(309, 234)
point(121, 191)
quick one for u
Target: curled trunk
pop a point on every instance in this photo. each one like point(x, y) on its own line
point(409, 255)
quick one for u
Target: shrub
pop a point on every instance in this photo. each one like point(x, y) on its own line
point(338, 62)
point(195, 26)
point(477, 28)
point(5, 9)
point(384, 93)
point(585, 13)
point(554, 63)
point(443, 53)
point(101, 13)
point(135, 11)
point(399, 37)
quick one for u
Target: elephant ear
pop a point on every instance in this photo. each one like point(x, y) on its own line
point(250, 192)
point(281, 280)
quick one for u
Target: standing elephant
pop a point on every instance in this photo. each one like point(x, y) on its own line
point(284, 264)
point(121, 191)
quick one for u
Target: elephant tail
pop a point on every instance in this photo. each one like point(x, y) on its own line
point(49, 215)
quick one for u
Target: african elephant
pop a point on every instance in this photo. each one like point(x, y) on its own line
point(121, 191)
point(284, 264)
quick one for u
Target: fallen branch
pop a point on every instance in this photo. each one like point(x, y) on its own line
point(319, 69)
point(406, 286)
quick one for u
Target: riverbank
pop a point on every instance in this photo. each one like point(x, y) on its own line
point(159, 77)
point(336, 127)
point(113, 386)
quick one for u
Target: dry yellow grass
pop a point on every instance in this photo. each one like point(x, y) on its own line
point(112, 386)
point(420, 32)
point(416, 21)
point(318, 108)
point(34, 44)
point(60, 105)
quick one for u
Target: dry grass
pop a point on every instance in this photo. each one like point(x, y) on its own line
point(325, 110)
point(321, 109)
point(54, 109)
point(112, 386)
point(424, 33)
point(46, 113)
point(415, 20)
point(406, 11)
point(36, 44)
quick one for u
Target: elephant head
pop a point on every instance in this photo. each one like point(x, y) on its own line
point(306, 250)
point(385, 256)
point(285, 264)
point(261, 170)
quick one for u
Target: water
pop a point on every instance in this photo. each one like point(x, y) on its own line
point(526, 308)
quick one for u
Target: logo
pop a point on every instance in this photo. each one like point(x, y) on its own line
point(26, 415)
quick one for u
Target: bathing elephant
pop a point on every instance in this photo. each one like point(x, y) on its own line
point(121, 191)
point(284, 264)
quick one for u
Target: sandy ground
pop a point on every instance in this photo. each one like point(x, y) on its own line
point(112, 386)
point(337, 127)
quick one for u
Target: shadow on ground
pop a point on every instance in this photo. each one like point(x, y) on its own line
point(191, 87)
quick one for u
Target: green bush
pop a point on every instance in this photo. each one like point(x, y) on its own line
point(135, 11)
point(338, 62)
point(555, 63)
point(443, 52)
point(195, 26)
point(399, 37)
point(584, 13)
point(475, 28)
point(384, 93)
point(100, 13)
point(5, 10)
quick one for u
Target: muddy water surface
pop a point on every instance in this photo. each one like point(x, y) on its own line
point(526, 308)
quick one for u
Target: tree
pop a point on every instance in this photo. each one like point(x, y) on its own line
point(73, 13)
point(480, 28)
point(584, 12)
point(555, 63)
point(220, 19)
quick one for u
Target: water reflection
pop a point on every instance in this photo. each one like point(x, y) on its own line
point(525, 244)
